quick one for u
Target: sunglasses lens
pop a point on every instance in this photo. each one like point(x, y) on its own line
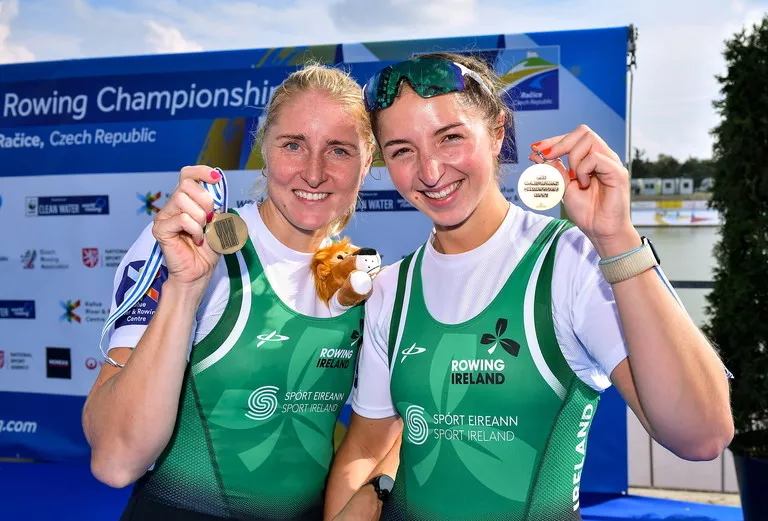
point(428, 77)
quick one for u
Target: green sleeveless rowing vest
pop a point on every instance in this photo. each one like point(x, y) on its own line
point(260, 401)
point(495, 421)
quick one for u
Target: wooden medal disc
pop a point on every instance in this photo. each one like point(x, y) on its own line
point(226, 233)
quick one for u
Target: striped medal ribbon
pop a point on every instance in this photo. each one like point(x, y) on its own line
point(227, 233)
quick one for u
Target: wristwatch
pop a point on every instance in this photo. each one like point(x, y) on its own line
point(629, 264)
point(382, 485)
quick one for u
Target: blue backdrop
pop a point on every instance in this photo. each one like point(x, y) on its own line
point(92, 148)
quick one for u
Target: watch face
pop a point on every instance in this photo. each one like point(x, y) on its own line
point(386, 483)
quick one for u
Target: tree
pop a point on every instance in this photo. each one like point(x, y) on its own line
point(738, 305)
point(667, 166)
point(641, 167)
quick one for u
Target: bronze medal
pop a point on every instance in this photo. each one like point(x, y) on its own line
point(226, 233)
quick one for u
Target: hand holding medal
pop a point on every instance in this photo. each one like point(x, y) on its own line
point(596, 184)
point(225, 232)
point(541, 186)
point(191, 231)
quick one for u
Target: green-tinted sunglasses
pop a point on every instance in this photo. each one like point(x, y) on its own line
point(427, 76)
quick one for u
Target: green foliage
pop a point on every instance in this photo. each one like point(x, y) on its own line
point(667, 166)
point(738, 305)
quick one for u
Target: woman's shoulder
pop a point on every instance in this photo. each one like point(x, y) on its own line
point(249, 213)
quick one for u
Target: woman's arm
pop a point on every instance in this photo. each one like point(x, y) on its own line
point(370, 448)
point(130, 413)
point(672, 379)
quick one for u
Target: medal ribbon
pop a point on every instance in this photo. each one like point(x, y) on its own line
point(147, 274)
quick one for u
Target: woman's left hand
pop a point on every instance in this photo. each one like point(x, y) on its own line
point(597, 196)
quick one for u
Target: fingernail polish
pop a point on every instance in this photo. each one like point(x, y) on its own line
point(536, 145)
point(580, 185)
point(215, 175)
point(209, 217)
point(201, 242)
point(572, 174)
point(546, 151)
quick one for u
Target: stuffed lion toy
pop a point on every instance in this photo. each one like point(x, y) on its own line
point(345, 272)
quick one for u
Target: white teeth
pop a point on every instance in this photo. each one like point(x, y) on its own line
point(310, 196)
point(445, 192)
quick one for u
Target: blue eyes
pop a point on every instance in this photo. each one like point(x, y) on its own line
point(294, 147)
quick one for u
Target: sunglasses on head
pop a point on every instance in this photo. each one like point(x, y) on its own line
point(427, 77)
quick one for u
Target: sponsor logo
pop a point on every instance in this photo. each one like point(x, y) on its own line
point(15, 360)
point(58, 205)
point(143, 311)
point(509, 345)
point(416, 424)
point(262, 403)
point(335, 358)
point(382, 201)
point(90, 257)
point(17, 309)
point(486, 371)
point(357, 335)
point(302, 402)
point(148, 201)
point(108, 258)
point(58, 362)
point(530, 77)
point(69, 314)
point(270, 337)
point(112, 257)
point(49, 260)
point(413, 350)
point(28, 259)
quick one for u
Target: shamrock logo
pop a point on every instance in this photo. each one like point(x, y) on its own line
point(509, 345)
point(357, 336)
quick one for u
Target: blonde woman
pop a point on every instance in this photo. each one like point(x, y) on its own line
point(221, 395)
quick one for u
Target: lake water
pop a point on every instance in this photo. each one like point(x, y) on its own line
point(686, 255)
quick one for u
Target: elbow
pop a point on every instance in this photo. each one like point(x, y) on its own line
point(111, 471)
point(708, 447)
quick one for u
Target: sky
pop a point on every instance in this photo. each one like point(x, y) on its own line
point(679, 47)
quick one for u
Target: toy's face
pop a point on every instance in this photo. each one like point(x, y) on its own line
point(368, 260)
point(363, 259)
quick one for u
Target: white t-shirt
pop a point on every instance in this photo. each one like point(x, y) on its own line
point(287, 270)
point(584, 311)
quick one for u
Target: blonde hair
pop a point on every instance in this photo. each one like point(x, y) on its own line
point(340, 87)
